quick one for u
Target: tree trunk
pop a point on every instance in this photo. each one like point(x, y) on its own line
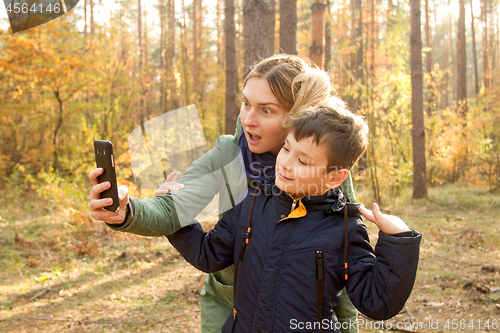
point(85, 18)
point(122, 33)
point(486, 67)
point(446, 68)
point(452, 55)
point(163, 85)
point(328, 38)
point(428, 60)
point(197, 11)
point(139, 33)
point(474, 54)
point(142, 111)
point(461, 63)
point(288, 26)
point(92, 17)
point(256, 14)
point(231, 70)
point(373, 37)
point(171, 82)
point(317, 32)
point(417, 105)
point(184, 56)
point(220, 58)
point(357, 43)
point(55, 162)
point(272, 26)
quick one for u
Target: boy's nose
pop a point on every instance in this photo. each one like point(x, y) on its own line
point(284, 164)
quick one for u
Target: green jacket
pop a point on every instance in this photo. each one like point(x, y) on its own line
point(216, 172)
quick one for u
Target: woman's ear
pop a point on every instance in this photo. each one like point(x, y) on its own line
point(336, 178)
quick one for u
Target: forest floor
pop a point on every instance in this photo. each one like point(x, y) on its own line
point(58, 275)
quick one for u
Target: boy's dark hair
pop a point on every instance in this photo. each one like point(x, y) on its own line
point(343, 134)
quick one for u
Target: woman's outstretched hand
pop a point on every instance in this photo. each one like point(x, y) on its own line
point(170, 184)
point(97, 204)
point(388, 224)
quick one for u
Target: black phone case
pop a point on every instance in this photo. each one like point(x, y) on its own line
point(104, 158)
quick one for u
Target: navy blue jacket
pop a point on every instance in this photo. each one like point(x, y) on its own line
point(276, 289)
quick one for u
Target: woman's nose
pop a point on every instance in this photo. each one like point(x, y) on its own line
point(251, 119)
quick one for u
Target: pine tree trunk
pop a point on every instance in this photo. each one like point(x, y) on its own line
point(446, 68)
point(220, 59)
point(428, 60)
point(494, 44)
point(92, 17)
point(196, 47)
point(373, 38)
point(170, 56)
point(184, 56)
point(328, 38)
point(231, 70)
point(288, 26)
point(417, 103)
point(452, 55)
point(317, 32)
point(256, 17)
point(272, 26)
point(85, 18)
point(142, 111)
point(486, 67)
point(474, 54)
point(461, 62)
point(357, 43)
point(163, 85)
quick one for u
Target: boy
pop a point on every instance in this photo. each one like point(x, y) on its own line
point(288, 272)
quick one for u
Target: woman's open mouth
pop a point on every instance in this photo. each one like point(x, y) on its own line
point(253, 139)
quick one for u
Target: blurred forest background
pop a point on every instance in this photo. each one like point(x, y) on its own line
point(415, 69)
point(75, 79)
point(79, 78)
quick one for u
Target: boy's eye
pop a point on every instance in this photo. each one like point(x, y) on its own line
point(302, 162)
point(285, 148)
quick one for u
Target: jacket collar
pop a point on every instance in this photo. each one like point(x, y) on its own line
point(330, 202)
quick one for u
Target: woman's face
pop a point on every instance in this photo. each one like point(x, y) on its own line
point(262, 117)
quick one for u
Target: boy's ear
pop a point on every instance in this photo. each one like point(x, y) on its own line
point(336, 178)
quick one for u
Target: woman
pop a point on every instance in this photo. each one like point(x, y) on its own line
point(275, 88)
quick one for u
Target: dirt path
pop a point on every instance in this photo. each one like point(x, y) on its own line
point(55, 278)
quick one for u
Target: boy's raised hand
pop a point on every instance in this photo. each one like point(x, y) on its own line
point(388, 224)
point(170, 184)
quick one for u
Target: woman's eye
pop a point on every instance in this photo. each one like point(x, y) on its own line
point(267, 111)
point(245, 103)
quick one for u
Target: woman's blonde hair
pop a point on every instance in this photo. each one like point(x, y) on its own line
point(295, 82)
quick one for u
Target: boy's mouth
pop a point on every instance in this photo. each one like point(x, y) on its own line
point(283, 177)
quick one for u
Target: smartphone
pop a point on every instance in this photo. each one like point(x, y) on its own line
point(104, 159)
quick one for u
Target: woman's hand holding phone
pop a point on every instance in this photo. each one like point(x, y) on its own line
point(97, 204)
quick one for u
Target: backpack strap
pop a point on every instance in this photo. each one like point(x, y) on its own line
point(346, 241)
point(246, 239)
point(319, 285)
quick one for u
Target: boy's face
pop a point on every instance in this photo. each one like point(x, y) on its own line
point(301, 168)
